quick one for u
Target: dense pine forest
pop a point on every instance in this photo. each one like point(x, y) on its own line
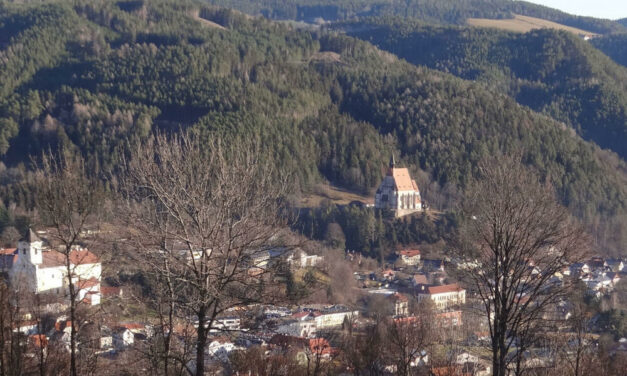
point(433, 11)
point(92, 76)
point(549, 71)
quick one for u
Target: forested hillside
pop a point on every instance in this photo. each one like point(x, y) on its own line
point(92, 75)
point(614, 46)
point(432, 11)
point(552, 72)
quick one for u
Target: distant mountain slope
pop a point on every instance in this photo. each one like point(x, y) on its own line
point(523, 24)
point(432, 11)
point(552, 72)
point(614, 46)
point(324, 106)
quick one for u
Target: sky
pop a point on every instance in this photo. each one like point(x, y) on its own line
point(611, 9)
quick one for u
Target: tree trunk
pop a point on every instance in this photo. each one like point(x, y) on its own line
point(201, 343)
point(73, 371)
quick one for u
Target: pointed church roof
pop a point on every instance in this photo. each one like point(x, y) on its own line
point(402, 180)
point(392, 161)
point(30, 237)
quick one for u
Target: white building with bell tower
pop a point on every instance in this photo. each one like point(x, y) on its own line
point(398, 192)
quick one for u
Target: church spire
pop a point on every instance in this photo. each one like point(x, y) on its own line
point(392, 161)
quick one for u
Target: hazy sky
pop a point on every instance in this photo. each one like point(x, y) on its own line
point(612, 9)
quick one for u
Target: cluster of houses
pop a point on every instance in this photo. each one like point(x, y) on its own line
point(600, 275)
point(303, 330)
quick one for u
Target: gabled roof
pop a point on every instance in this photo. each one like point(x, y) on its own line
point(87, 283)
point(8, 251)
point(409, 252)
point(420, 279)
point(402, 180)
point(53, 258)
point(444, 289)
point(399, 297)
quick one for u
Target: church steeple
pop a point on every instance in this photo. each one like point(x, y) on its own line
point(392, 161)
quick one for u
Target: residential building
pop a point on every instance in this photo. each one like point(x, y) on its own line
point(410, 256)
point(229, 323)
point(299, 259)
point(444, 296)
point(401, 304)
point(419, 279)
point(615, 265)
point(123, 337)
point(333, 317)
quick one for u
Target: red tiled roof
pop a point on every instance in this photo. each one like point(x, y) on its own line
point(420, 279)
point(87, 283)
point(444, 289)
point(110, 291)
point(300, 315)
point(413, 183)
point(133, 326)
point(398, 296)
point(320, 346)
point(402, 180)
point(53, 258)
point(410, 252)
point(448, 371)
point(7, 251)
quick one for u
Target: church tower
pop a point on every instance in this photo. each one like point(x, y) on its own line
point(31, 247)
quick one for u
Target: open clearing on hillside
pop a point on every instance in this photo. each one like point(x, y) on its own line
point(336, 195)
point(523, 24)
point(196, 16)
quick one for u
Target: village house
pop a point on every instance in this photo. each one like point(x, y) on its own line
point(333, 317)
point(443, 297)
point(33, 268)
point(615, 265)
point(228, 323)
point(122, 337)
point(579, 268)
point(221, 348)
point(410, 256)
point(388, 275)
point(300, 324)
point(419, 279)
point(448, 319)
point(398, 192)
point(299, 259)
point(401, 304)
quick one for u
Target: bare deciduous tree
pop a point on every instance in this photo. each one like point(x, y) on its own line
point(407, 337)
point(11, 347)
point(514, 239)
point(68, 201)
point(203, 218)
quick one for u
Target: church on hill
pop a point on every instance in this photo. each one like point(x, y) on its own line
point(398, 192)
